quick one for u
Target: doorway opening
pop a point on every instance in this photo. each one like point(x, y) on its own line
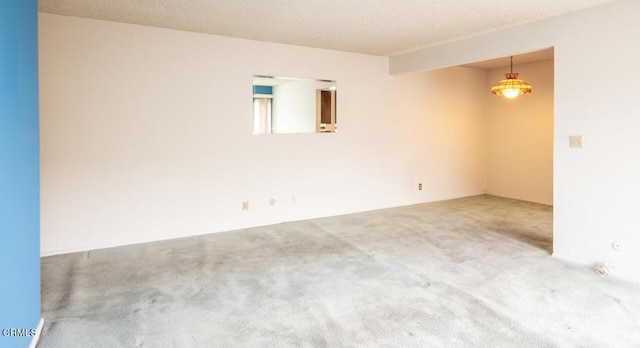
point(519, 143)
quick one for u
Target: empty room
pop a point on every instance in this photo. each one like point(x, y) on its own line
point(280, 173)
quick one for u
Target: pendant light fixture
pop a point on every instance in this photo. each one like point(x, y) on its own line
point(512, 86)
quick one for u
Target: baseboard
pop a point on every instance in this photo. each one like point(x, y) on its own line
point(520, 199)
point(36, 337)
point(569, 259)
point(631, 278)
point(229, 228)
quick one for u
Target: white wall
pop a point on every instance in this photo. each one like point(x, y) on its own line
point(468, 140)
point(146, 134)
point(519, 136)
point(441, 116)
point(595, 188)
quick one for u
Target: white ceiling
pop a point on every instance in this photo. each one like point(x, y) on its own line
point(378, 27)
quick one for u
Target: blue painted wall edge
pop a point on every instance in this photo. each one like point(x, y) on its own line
point(19, 173)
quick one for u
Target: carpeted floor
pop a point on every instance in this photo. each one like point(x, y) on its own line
point(471, 272)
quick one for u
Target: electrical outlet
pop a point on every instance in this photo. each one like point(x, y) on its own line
point(616, 245)
point(575, 141)
point(420, 187)
point(245, 205)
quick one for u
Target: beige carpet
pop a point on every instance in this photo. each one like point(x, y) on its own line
point(472, 272)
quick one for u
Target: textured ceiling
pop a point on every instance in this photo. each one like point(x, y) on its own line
point(379, 27)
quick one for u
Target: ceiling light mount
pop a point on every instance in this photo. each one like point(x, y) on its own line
point(512, 86)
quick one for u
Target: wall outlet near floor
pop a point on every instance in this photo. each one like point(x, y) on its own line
point(245, 205)
point(575, 141)
point(419, 186)
point(616, 245)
